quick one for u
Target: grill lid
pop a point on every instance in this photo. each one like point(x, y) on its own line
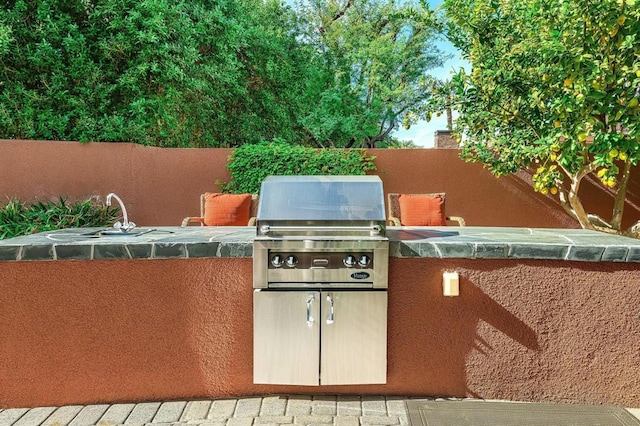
point(321, 198)
point(321, 206)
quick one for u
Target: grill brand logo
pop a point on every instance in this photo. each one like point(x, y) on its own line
point(360, 275)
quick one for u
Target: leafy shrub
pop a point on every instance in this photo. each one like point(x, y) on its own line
point(250, 164)
point(158, 72)
point(18, 218)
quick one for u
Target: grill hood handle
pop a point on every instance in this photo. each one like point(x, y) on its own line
point(266, 229)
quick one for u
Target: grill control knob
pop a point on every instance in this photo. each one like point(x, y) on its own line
point(277, 261)
point(291, 261)
point(364, 260)
point(349, 261)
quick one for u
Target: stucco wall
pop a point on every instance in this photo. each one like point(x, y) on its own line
point(107, 331)
point(84, 332)
point(162, 186)
point(158, 186)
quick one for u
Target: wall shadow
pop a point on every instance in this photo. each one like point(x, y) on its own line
point(432, 335)
point(596, 198)
point(485, 309)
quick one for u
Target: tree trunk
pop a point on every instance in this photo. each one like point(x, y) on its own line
point(618, 206)
point(449, 114)
point(576, 210)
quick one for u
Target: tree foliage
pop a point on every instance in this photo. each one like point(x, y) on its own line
point(554, 86)
point(376, 55)
point(215, 73)
point(157, 72)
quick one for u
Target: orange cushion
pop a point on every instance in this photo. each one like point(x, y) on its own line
point(226, 209)
point(422, 210)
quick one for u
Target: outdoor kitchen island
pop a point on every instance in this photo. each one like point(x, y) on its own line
point(542, 315)
point(404, 242)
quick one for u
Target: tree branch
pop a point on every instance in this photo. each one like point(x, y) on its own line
point(510, 114)
point(570, 201)
point(564, 202)
point(382, 134)
point(573, 206)
point(340, 13)
point(574, 200)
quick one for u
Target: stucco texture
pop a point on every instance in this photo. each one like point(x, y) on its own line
point(74, 332)
point(161, 186)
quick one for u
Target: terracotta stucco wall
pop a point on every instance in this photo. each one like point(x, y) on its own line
point(158, 186)
point(107, 331)
point(162, 186)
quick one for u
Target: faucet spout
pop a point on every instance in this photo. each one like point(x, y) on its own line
point(125, 226)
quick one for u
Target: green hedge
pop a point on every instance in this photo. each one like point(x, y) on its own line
point(18, 218)
point(251, 163)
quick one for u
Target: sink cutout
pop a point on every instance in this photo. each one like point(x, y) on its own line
point(117, 233)
point(102, 234)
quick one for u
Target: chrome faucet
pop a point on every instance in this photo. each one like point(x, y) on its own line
point(125, 226)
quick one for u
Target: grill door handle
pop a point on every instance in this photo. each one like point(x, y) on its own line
point(331, 316)
point(310, 319)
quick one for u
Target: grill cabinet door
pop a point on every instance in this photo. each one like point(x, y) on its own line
point(354, 337)
point(286, 337)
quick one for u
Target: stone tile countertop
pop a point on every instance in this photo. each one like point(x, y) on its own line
point(405, 242)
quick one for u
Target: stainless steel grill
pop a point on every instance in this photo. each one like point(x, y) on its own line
point(321, 231)
point(320, 265)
